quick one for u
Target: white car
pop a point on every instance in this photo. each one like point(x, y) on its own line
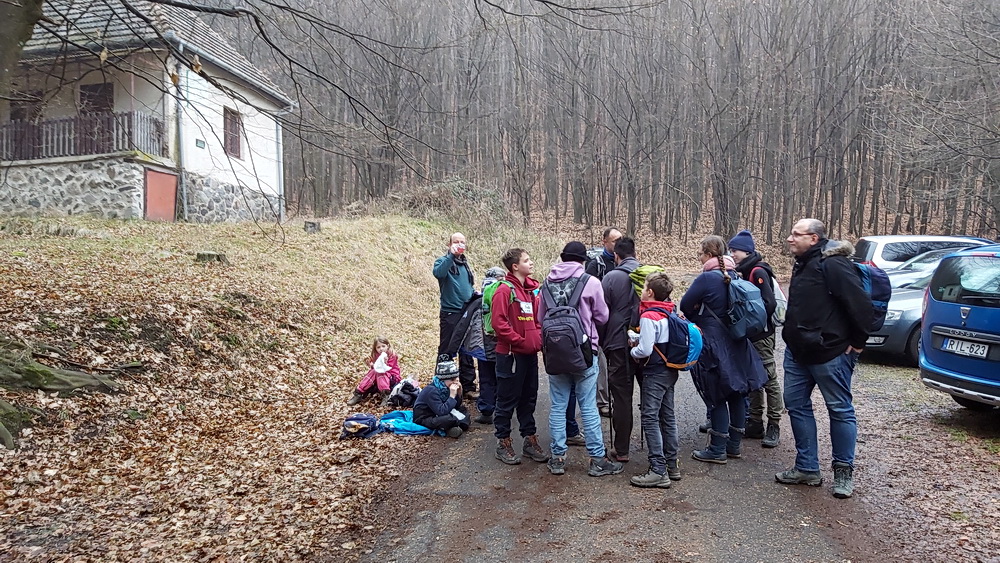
point(890, 251)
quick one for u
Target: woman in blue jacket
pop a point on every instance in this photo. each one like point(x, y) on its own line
point(727, 369)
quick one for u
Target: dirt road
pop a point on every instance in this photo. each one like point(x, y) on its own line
point(469, 506)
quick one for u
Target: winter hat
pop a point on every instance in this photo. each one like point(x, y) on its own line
point(742, 241)
point(574, 252)
point(446, 370)
point(493, 274)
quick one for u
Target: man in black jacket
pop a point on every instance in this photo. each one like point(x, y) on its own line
point(598, 267)
point(623, 312)
point(751, 265)
point(826, 327)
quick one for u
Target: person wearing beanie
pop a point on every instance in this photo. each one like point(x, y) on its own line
point(752, 267)
point(439, 405)
point(561, 284)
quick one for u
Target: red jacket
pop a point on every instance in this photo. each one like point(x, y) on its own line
point(518, 329)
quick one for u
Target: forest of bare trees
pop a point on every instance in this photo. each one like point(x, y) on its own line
point(678, 116)
point(877, 115)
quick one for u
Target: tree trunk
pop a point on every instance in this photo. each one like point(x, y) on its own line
point(20, 19)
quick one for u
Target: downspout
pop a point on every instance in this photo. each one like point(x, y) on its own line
point(180, 127)
point(280, 159)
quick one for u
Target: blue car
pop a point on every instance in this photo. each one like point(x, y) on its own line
point(960, 334)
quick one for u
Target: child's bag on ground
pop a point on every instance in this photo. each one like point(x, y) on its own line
point(404, 394)
point(360, 425)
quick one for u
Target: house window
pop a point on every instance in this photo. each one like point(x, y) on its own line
point(232, 124)
point(26, 106)
point(97, 98)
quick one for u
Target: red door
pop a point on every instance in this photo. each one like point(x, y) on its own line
point(161, 196)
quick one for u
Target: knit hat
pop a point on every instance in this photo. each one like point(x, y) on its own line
point(742, 241)
point(574, 252)
point(446, 370)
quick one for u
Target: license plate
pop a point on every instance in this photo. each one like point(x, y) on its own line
point(965, 348)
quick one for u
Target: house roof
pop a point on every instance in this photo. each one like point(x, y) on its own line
point(94, 25)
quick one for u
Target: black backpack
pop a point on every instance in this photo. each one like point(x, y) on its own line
point(565, 346)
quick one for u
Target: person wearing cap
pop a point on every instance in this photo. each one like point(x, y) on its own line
point(752, 267)
point(561, 282)
point(487, 401)
point(439, 405)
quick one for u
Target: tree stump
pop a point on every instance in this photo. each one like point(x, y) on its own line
point(311, 227)
point(210, 256)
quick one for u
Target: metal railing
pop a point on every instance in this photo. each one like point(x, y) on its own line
point(92, 133)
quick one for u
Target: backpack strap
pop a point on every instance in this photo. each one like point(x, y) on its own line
point(581, 284)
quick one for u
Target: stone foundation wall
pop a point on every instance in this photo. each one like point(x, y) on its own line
point(109, 188)
point(113, 188)
point(212, 201)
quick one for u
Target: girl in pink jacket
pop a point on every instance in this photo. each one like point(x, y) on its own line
point(383, 373)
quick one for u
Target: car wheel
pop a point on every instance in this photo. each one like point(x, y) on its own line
point(913, 347)
point(972, 405)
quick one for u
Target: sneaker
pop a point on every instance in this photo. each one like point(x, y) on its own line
point(703, 428)
point(454, 432)
point(755, 429)
point(708, 457)
point(577, 440)
point(532, 449)
point(601, 466)
point(355, 399)
point(843, 480)
point(771, 436)
point(650, 480)
point(604, 411)
point(673, 470)
point(795, 477)
point(557, 465)
point(484, 418)
point(506, 453)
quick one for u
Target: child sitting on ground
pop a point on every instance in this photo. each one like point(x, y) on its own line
point(439, 405)
point(383, 373)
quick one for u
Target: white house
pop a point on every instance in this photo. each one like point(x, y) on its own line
point(127, 116)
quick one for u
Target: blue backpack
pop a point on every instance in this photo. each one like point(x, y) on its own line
point(746, 316)
point(876, 284)
point(684, 341)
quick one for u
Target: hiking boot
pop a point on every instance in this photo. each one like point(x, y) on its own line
point(604, 411)
point(454, 432)
point(708, 456)
point(734, 443)
point(651, 480)
point(795, 477)
point(577, 440)
point(771, 436)
point(484, 418)
point(703, 428)
point(385, 400)
point(601, 466)
point(532, 449)
point(716, 450)
point(557, 465)
point(355, 399)
point(755, 429)
point(843, 480)
point(673, 470)
point(506, 453)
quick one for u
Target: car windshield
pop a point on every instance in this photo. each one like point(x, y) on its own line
point(925, 261)
point(969, 280)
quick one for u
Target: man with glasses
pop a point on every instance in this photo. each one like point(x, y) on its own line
point(826, 326)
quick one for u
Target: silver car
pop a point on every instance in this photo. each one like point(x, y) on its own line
point(900, 335)
point(918, 267)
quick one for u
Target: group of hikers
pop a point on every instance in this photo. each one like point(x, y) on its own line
point(602, 329)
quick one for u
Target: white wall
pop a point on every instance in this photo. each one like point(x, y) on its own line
point(258, 166)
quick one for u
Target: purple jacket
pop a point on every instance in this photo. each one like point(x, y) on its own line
point(593, 309)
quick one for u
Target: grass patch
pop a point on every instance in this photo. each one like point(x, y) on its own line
point(958, 434)
point(958, 516)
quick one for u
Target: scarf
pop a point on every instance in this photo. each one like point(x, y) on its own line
point(608, 255)
point(713, 264)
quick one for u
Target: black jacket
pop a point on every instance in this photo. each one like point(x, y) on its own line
point(623, 305)
point(594, 266)
point(763, 283)
point(827, 311)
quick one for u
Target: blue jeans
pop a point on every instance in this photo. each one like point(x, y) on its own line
point(560, 388)
point(734, 409)
point(656, 415)
point(572, 427)
point(517, 390)
point(834, 381)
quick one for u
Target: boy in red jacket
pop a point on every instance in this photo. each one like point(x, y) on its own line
point(519, 339)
